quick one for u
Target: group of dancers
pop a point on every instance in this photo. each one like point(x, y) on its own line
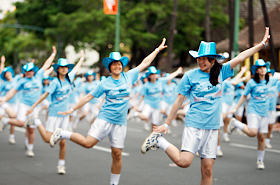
point(201, 91)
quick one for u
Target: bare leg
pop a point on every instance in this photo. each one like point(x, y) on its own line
point(261, 141)
point(87, 142)
point(181, 159)
point(117, 160)
point(62, 149)
point(206, 171)
point(31, 135)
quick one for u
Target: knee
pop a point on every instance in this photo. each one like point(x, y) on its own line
point(183, 164)
point(117, 155)
point(62, 143)
point(207, 171)
point(88, 145)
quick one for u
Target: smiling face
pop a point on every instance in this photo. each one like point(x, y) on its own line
point(204, 64)
point(63, 70)
point(90, 78)
point(8, 75)
point(116, 67)
point(262, 70)
point(29, 74)
point(153, 77)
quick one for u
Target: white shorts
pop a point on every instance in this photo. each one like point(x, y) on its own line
point(57, 122)
point(152, 113)
point(13, 106)
point(226, 108)
point(203, 141)
point(166, 107)
point(116, 133)
point(259, 122)
point(239, 111)
point(92, 108)
point(22, 110)
point(221, 121)
point(271, 117)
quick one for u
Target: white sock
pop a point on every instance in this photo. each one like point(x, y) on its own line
point(136, 114)
point(37, 122)
point(115, 179)
point(12, 136)
point(225, 135)
point(260, 155)
point(267, 140)
point(30, 147)
point(218, 147)
point(5, 121)
point(163, 143)
point(238, 124)
point(26, 141)
point(61, 162)
point(65, 134)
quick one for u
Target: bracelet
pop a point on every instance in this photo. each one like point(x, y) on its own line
point(264, 43)
point(53, 54)
point(82, 58)
point(244, 78)
point(71, 110)
point(166, 126)
point(157, 50)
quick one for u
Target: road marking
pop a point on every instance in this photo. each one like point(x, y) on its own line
point(108, 150)
point(134, 130)
point(253, 147)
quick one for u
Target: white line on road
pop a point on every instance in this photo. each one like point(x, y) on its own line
point(253, 147)
point(108, 150)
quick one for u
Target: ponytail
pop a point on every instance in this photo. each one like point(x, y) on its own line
point(214, 71)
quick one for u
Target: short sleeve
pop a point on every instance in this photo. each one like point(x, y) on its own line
point(184, 85)
point(226, 71)
point(163, 80)
point(19, 85)
point(71, 76)
point(40, 74)
point(98, 91)
point(52, 87)
point(248, 88)
point(133, 74)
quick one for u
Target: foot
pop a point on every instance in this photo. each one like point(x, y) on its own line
point(12, 141)
point(146, 127)
point(268, 145)
point(29, 121)
point(150, 142)
point(220, 153)
point(56, 136)
point(231, 126)
point(260, 165)
point(29, 153)
point(61, 170)
point(226, 139)
point(2, 125)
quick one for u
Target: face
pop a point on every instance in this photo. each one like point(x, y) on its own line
point(8, 75)
point(63, 70)
point(29, 74)
point(46, 82)
point(145, 80)
point(90, 78)
point(153, 77)
point(116, 67)
point(204, 64)
point(262, 70)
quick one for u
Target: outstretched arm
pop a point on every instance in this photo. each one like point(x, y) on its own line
point(79, 64)
point(49, 61)
point(2, 65)
point(175, 73)
point(44, 96)
point(148, 60)
point(48, 71)
point(249, 52)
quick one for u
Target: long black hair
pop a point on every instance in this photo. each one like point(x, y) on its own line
point(214, 71)
point(257, 78)
point(67, 78)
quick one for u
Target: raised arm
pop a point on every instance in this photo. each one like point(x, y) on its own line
point(48, 71)
point(2, 65)
point(49, 61)
point(237, 79)
point(249, 52)
point(79, 64)
point(175, 73)
point(148, 60)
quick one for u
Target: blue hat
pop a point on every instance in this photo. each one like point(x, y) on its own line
point(29, 67)
point(63, 62)
point(259, 63)
point(239, 85)
point(103, 78)
point(143, 77)
point(7, 69)
point(206, 49)
point(272, 71)
point(114, 56)
point(152, 70)
point(47, 78)
point(90, 72)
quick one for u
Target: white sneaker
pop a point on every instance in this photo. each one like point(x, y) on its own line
point(268, 145)
point(12, 141)
point(29, 121)
point(260, 165)
point(174, 123)
point(150, 142)
point(147, 127)
point(61, 170)
point(231, 126)
point(220, 153)
point(29, 153)
point(226, 139)
point(2, 125)
point(55, 137)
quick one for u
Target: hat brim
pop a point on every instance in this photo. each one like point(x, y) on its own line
point(254, 67)
point(70, 67)
point(35, 69)
point(195, 54)
point(8, 70)
point(107, 61)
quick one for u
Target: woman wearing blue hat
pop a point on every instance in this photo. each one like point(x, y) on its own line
point(30, 86)
point(111, 120)
point(258, 107)
point(59, 89)
point(203, 86)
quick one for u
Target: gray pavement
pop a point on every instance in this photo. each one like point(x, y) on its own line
point(92, 166)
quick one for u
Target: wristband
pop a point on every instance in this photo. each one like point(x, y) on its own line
point(82, 58)
point(166, 126)
point(264, 43)
point(71, 110)
point(244, 78)
point(53, 54)
point(157, 50)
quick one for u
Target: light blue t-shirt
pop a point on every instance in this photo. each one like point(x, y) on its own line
point(60, 93)
point(205, 105)
point(228, 92)
point(44, 89)
point(152, 92)
point(238, 93)
point(117, 93)
point(6, 86)
point(169, 93)
point(273, 93)
point(88, 87)
point(31, 88)
point(258, 103)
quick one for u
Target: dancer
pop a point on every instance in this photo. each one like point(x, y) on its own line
point(111, 119)
point(203, 118)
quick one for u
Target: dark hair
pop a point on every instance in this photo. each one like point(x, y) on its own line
point(109, 67)
point(67, 77)
point(257, 77)
point(214, 71)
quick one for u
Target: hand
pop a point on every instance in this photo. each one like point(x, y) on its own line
point(54, 50)
point(82, 54)
point(65, 113)
point(2, 100)
point(162, 46)
point(180, 70)
point(266, 36)
point(29, 111)
point(3, 59)
point(244, 69)
point(160, 129)
point(33, 60)
point(232, 111)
